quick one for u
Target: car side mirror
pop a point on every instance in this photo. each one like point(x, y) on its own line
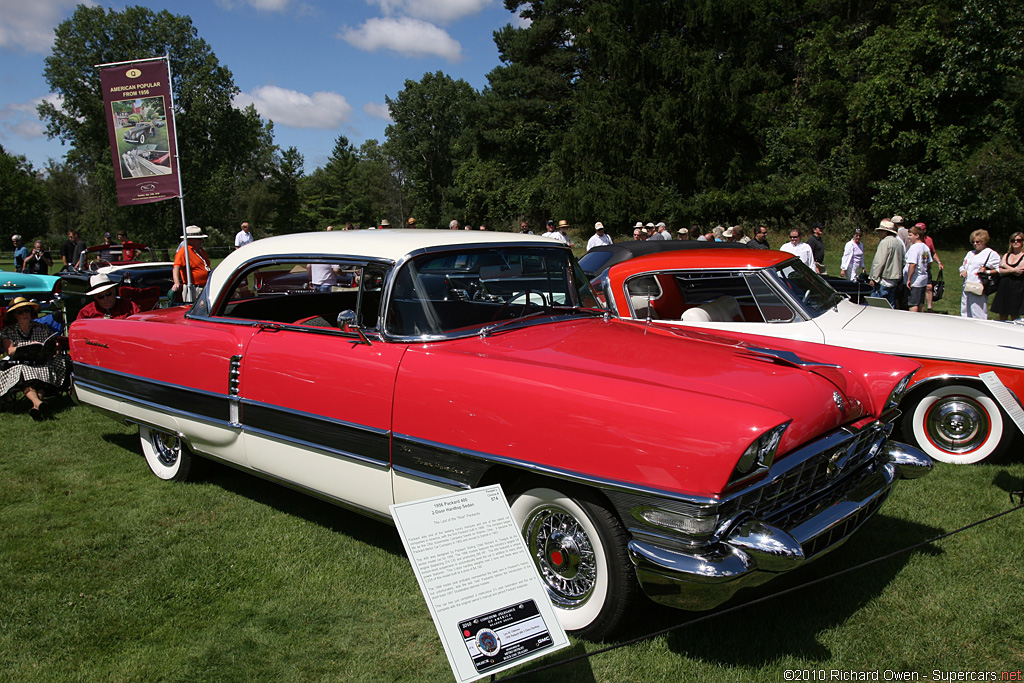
point(347, 324)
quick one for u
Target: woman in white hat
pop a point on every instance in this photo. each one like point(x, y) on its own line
point(105, 301)
point(33, 377)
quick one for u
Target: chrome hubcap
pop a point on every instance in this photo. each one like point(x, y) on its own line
point(167, 447)
point(957, 424)
point(563, 554)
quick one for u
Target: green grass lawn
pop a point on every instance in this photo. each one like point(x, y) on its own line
point(109, 574)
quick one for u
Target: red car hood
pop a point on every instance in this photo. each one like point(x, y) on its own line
point(669, 408)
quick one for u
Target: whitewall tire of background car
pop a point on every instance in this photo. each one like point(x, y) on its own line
point(579, 547)
point(166, 455)
point(957, 424)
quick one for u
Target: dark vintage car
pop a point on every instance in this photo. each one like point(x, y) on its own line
point(140, 132)
point(467, 359)
point(597, 261)
point(132, 264)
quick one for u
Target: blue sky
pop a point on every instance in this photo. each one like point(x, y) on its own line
point(317, 68)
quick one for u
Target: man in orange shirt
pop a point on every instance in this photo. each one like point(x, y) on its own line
point(198, 261)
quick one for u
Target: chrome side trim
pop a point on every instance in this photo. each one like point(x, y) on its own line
point(319, 448)
point(487, 459)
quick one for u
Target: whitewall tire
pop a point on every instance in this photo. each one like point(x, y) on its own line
point(166, 455)
point(579, 547)
point(957, 424)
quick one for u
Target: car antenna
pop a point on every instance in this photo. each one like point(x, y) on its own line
point(647, 323)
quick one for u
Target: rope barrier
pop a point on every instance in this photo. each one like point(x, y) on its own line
point(730, 610)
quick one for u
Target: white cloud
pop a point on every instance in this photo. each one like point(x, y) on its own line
point(377, 110)
point(27, 25)
point(409, 37)
point(22, 120)
point(324, 110)
point(440, 11)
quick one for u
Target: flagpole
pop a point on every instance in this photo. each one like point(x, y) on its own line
point(181, 195)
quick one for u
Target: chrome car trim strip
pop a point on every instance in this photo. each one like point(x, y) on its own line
point(360, 443)
point(915, 385)
point(457, 470)
point(426, 476)
point(160, 395)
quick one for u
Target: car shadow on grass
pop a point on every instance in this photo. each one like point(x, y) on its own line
point(280, 497)
point(740, 631)
point(338, 519)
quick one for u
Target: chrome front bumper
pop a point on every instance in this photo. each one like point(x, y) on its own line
point(750, 551)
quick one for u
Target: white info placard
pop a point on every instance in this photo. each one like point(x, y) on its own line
point(489, 606)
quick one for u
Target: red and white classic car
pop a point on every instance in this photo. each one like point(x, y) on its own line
point(466, 360)
point(950, 412)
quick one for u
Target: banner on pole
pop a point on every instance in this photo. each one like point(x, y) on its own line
point(140, 121)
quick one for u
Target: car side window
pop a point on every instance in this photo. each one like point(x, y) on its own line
point(702, 288)
point(286, 293)
point(773, 307)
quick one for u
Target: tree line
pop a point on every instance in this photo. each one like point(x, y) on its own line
point(780, 112)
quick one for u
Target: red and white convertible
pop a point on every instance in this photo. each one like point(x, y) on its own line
point(464, 360)
point(950, 411)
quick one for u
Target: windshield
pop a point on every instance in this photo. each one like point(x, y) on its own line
point(468, 289)
point(808, 289)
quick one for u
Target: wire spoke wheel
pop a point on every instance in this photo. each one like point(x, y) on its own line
point(580, 549)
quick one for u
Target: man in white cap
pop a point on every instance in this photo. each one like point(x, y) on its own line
point(198, 263)
point(662, 232)
point(887, 267)
point(599, 238)
point(105, 301)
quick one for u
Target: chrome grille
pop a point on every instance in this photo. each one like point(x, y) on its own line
point(834, 535)
point(797, 493)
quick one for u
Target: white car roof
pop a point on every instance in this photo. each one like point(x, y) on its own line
point(389, 245)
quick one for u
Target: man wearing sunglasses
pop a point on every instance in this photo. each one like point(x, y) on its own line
point(105, 301)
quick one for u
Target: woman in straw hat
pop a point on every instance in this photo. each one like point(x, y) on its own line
point(33, 378)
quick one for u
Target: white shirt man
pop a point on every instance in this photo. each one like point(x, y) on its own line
point(599, 238)
point(244, 236)
point(553, 233)
point(801, 250)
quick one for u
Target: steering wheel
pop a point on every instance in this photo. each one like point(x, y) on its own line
point(524, 299)
point(97, 264)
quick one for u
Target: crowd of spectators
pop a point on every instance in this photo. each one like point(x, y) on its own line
point(903, 271)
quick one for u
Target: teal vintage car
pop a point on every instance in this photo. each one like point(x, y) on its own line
point(43, 289)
